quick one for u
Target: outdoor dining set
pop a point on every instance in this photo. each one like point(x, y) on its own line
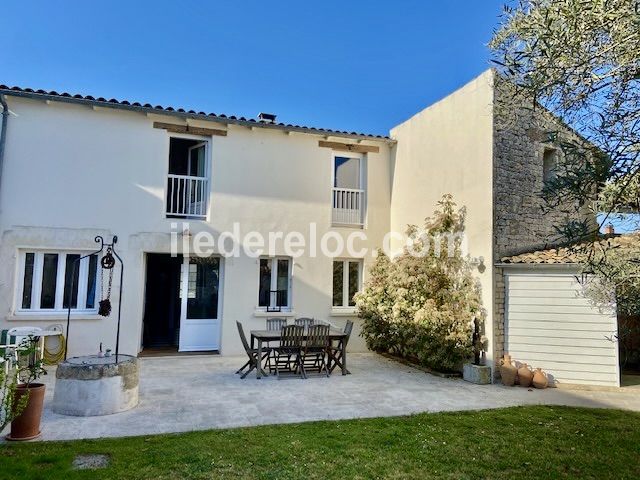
point(308, 345)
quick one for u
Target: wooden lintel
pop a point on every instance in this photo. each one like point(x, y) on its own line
point(349, 147)
point(172, 127)
point(206, 131)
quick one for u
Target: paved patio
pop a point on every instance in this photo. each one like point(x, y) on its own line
point(201, 392)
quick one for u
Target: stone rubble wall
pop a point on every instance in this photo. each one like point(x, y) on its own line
point(521, 223)
point(498, 318)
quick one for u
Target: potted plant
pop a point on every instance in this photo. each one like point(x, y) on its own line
point(9, 407)
point(28, 396)
point(477, 372)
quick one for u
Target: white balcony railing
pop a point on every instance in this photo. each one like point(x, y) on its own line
point(348, 206)
point(187, 196)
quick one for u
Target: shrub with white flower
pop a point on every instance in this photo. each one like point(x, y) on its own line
point(421, 306)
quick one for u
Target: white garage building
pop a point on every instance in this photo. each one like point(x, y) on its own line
point(548, 322)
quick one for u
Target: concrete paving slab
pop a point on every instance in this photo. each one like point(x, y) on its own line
point(202, 392)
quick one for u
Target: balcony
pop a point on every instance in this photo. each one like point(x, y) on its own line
point(348, 207)
point(187, 196)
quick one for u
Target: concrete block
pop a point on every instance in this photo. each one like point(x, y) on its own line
point(478, 374)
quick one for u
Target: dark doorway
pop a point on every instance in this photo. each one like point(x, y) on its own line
point(162, 301)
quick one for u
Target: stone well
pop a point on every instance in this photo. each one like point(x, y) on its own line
point(92, 385)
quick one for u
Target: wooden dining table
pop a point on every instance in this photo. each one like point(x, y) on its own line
point(261, 336)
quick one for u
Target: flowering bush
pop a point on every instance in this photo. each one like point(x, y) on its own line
point(421, 305)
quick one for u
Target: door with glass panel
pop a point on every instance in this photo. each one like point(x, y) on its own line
point(200, 300)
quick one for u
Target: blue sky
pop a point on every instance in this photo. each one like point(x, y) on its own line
point(351, 65)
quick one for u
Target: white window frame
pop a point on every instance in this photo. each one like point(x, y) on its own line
point(345, 282)
point(363, 183)
point(360, 156)
point(36, 284)
point(274, 282)
point(208, 171)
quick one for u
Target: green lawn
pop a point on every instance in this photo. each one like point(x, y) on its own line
point(534, 442)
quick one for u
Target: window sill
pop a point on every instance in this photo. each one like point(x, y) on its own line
point(173, 216)
point(351, 226)
point(343, 312)
point(265, 314)
point(36, 317)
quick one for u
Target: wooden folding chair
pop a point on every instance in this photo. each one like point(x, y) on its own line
point(291, 342)
point(314, 354)
point(336, 351)
point(253, 362)
point(304, 322)
point(276, 324)
point(273, 325)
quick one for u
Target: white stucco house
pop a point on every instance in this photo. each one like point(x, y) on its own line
point(75, 166)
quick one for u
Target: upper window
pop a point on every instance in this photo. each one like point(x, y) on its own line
point(346, 172)
point(549, 164)
point(275, 284)
point(187, 185)
point(51, 281)
point(348, 190)
point(347, 281)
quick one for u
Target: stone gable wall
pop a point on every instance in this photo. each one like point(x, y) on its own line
point(520, 223)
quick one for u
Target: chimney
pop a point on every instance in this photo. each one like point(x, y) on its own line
point(609, 230)
point(267, 117)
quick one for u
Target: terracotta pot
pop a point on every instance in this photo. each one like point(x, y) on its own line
point(26, 426)
point(525, 375)
point(540, 379)
point(508, 371)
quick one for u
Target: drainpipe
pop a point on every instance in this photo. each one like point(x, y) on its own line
point(3, 132)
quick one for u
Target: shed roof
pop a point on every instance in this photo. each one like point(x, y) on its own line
point(570, 254)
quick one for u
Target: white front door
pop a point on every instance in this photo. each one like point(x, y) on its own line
point(199, 312)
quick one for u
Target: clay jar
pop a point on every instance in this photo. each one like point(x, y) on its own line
point(540, 379)
point(525, 375)
point(508, 371)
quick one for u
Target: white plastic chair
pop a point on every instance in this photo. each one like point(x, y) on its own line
point(9, 349)
point(21, 333)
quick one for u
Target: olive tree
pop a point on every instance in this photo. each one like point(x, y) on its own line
point(579, 62)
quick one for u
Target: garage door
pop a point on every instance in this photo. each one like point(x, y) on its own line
point(548, 324)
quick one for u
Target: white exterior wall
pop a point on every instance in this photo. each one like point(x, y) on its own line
point(72, 172)
point(448, 148)
point(549, 324)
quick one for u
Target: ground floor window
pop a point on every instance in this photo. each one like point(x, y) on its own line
point(274, 292)
point(51, 281)
point(347, 281)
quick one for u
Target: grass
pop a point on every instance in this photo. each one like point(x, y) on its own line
point(523, 442)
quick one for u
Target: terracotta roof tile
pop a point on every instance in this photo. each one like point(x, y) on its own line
point(570, 254)
point(29, 92)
